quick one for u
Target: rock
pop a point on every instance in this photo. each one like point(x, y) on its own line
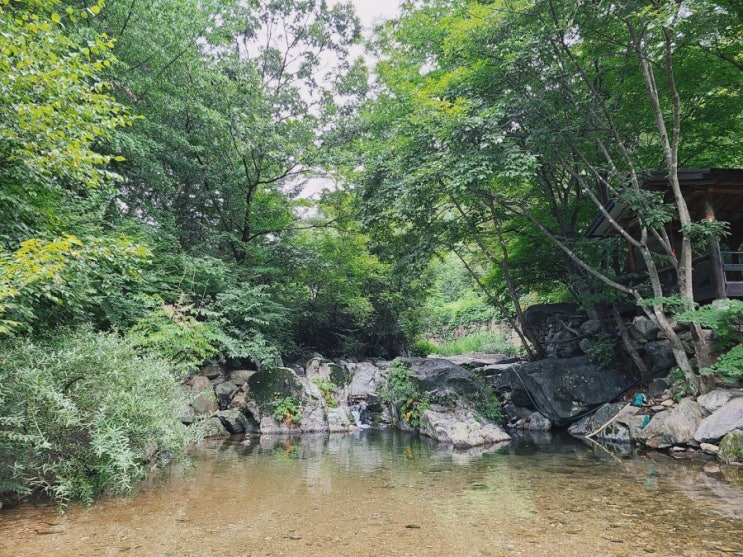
point(731, 447)
point(240, 377)
point(211, 371)
point(658, 386)
point(213, 427)
point(366, 381)
point(721, 422)
point(616, 432)
point(442, 378)
point(187, 415)
point(270, 426)
point(714, 400)
point(659, 357)
point(537, 422)
point(239, 400)
point(636, 424)
point(668, 403)
point(197, 384)
point(224, 393)
point(562, 389)
point(709, 448)
point(591, 327)
point(235, 421)
point(318, 368)
point(644, 328)
point(672, 427)
point(313, 419)
point(476, 360)
point(460, 428)
point(205, 403)
point(338, 420)
point(563, 344)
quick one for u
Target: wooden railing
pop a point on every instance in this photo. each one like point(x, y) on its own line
point(703, 277)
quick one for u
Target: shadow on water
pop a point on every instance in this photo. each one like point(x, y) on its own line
point(383, 492)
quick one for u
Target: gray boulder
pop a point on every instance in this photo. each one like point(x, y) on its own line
point(338, 420)
point(366, 381)
point(616, 432)
point(644, 328)
point(476, 360)
point(440, 377)
point(721, 422)
point(659, 357)
point(714, 400)
point(240, 377)
point(460, 427)
point(672, 427)
point(213, 427)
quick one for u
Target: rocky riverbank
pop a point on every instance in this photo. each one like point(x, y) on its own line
point(469, 401)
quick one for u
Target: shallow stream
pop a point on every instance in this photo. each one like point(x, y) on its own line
point(384, 493)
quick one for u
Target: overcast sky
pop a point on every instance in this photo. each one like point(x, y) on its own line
point(371, 10)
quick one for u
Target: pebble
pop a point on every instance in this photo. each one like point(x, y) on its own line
point(658, 408)
point(668, 403)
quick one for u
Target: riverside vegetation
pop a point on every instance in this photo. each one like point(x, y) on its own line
point(158, 172)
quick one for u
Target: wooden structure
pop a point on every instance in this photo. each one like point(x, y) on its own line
point(709, 193)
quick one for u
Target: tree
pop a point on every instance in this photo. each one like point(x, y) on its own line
point(539, 112)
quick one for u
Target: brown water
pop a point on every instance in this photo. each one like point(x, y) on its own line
point(388, 494)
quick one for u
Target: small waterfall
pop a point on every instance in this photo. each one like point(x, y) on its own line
point(360, 414)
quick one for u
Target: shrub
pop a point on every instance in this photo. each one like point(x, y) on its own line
point(401, 391)
point(286, 410)
point(725, 318)
point(327, 388)
point(85, 414)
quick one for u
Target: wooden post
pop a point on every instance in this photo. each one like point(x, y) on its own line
point(715, 257)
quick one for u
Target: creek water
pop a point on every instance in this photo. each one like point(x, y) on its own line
point(388, 493)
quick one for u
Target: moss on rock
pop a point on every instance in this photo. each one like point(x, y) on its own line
point(731, 447)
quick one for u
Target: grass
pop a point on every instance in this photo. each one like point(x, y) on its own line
point(479, 341)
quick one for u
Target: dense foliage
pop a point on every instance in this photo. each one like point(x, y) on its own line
point(188, 181)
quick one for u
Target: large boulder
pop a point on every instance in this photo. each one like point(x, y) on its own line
point(714, 400)
point(224, 393)
point(672, 427)
point(366, 381)
point(475, 360)
point(731, 447)
point(721, 422)
point(562, 389)
point(441, 378)
point(235, 421)
point(460, 427)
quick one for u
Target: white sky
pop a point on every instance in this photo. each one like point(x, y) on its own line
point(370, 11)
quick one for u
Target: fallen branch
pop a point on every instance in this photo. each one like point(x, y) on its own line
point(614, 418)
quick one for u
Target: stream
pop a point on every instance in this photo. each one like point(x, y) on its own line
point(386, 493)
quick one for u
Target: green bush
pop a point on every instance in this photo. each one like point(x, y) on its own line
point(85, 414)
point(402, 391)
point(725, 318)
point(327, 388)
point(286, 410)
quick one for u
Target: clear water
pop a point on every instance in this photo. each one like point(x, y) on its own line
point(383, 493)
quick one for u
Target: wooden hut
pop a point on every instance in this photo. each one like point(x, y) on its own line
point(709, 193)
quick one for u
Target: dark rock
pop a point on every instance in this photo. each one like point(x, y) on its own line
point(442, 378)
point(212, 371)
point(659, 357)
point(657, 387)
point(224, 393)
point(476, 360)
point(562, 389)
point(616, 432)
point(213, 427)
point(537, 422)
point(591, 327)
point(563, 344)
point(235, 421)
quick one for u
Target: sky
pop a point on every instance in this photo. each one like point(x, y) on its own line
point(371, 10)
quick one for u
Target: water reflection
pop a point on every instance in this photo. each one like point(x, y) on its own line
point(389, 493)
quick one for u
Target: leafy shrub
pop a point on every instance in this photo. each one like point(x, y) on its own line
point(286, 410)
point(401, 391)
point(488, 404)
point(327, 388)
point(173, 333)
point(85, 414)
point(725, 318)
point(424, 348)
